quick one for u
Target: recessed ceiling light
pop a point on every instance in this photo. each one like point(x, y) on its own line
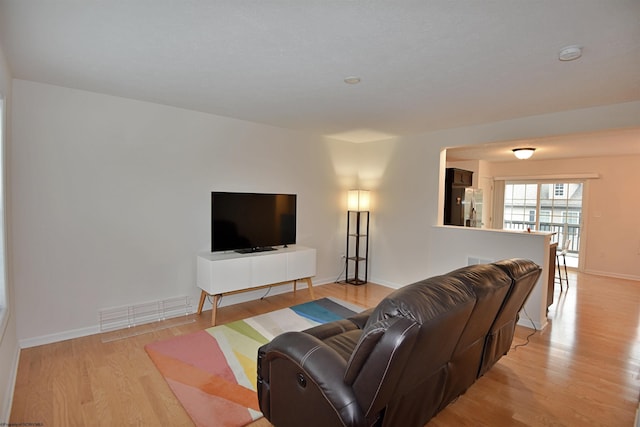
point(352, 80)
point(570, 53)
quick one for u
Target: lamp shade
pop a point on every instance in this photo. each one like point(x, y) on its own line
point(523, 153)
point(358, 200)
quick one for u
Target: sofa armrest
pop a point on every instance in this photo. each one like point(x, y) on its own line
point(300, 382)
point(378, 361)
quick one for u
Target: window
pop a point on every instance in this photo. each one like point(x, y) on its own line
point(520, 206)
point(545, 215)
point(545, 206)
point(572, 217)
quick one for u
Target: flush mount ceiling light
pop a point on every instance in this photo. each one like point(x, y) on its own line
point(352, 80)
point(523, 153)
point(570, 53)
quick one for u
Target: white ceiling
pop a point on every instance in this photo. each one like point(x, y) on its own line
point(615, 142)
point(424, 65)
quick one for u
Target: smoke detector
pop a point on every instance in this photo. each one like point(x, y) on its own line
point(570, 53)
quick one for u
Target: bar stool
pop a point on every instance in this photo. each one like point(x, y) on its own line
point(562, 252)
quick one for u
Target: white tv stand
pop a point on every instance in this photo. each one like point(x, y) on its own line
point(225, 273)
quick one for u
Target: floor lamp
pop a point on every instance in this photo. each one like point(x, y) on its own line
point(357, 236)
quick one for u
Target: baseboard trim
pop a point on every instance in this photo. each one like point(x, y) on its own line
point(525, 322)
point(613, 275)
point(92, 330)
point(391, 285)
point(58, 336)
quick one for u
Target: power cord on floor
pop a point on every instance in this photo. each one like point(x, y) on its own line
point(266, 293)
point(515, 347)
point(344, 267)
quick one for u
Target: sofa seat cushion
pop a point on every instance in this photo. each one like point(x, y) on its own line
point(344, 343)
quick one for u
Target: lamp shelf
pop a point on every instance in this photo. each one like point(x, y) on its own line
point(357, 252)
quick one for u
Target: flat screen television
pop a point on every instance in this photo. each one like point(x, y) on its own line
point(252, 222)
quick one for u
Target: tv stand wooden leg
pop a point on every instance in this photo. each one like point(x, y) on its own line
point(214, 305)
point(310, 286)
point(203, 296)
point(214, 309)
point(216, 297)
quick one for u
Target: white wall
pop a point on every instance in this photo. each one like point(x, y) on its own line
point(112, 200)
point(9, 350)
point(406, 197)
point(407, 194)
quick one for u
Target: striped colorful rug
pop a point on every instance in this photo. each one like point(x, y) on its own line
point(213, 372)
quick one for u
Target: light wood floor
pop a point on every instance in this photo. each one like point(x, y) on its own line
point(581, 370)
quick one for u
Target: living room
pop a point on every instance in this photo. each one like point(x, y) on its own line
point(108, 196)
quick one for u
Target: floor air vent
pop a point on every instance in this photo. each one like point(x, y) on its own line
point(124, 322)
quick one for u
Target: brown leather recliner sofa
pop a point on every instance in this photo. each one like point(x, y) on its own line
point(401, 362)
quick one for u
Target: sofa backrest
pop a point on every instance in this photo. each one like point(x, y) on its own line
point(439, 308)
point(490, 285)
point(524, 275)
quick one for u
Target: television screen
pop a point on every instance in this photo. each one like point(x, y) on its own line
point(250, 222)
